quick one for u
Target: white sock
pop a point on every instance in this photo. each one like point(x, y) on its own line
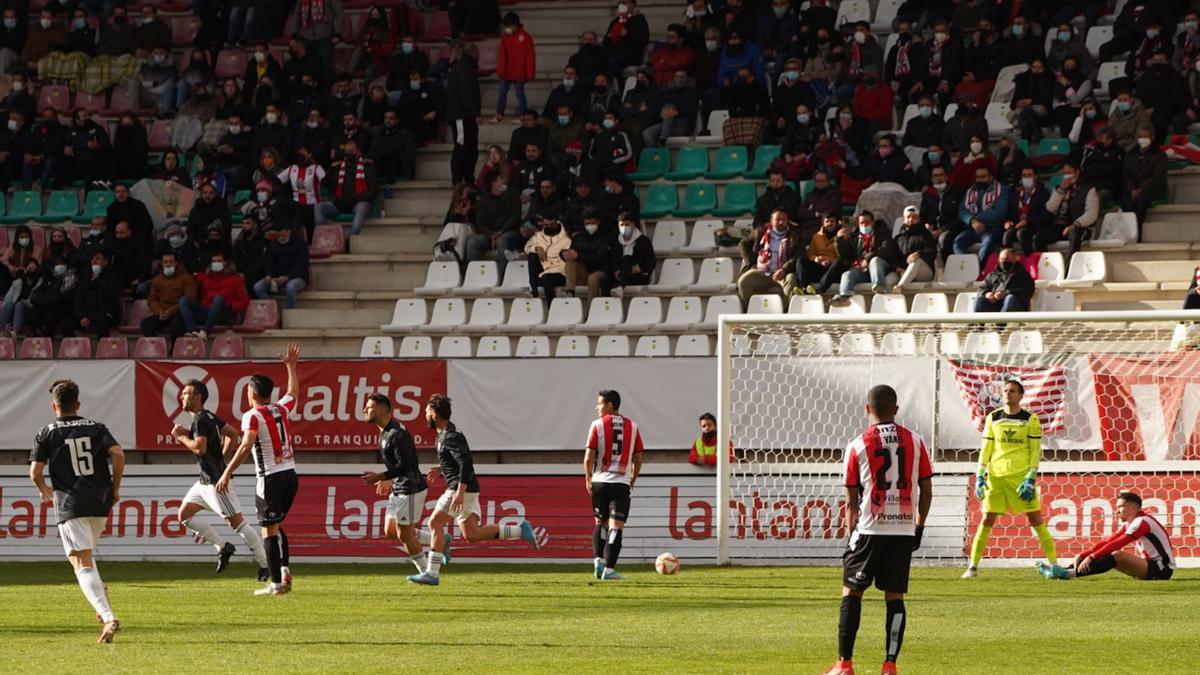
point(93, 590)
point(425, 537)
point(206, 532)
point(435, 563)
point(509, 532)
point(254, 541)
point(421, 560)
point(609, 570)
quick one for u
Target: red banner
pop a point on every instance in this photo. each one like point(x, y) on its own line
point(332, 395)
point(982, 388)
point(1080, 509)
point(1148, 406)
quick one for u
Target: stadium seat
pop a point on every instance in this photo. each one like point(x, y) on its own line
point(95, 204)
point(37, 348)
point(160, 135)
point(898, 344)
point(494, 347)
point(260, 315)
point(731, 162)
point(377, 347)
point(858, 305)
point(653, 346)
point(57, 96)
point(814, 343)
point(669, 237)
point(739, 199)
point(118, 101)
point(885, 13)
point(698, 200)
point(231, 63)
point(683, 312)
point(856, 343)
point(328, 240)
point(139, 311)
point(950, 111)
point(1096, 36)
point(440, 279)
point(454, 347)
point(1024, 342)
point(765, 304)
point(1051, 269)
point(409, 314)
point(1005, 83)
point(188, 348)
point(150, 348)
point(891, 303)
point(716, 276)
point(448, 315)
point(718, 305)
point(533, 346)
point(660, 199)
point(93, 104)
point(1050, 153)
point(739, 345)
point(241, 197)
point(1087, 268)
point(75, 348)
point(996, 116)
point(486, 315)
point(644, 313)
point(716, 126)
point(62, 207)
point(23, 207)
point(693, 345)
point(603, 315)
point(960, 271)
point(524, 315)
point(964, 303)
point(112, 348)
point(437, 26)
point(1107, 72)
point(415, 347)
point(773, 344)
point(1054, 301)
point(573, 346)
point(516, 280)
point(1116, 230)
point(480, 278)
point(930, 303)
point(853, 11)
point(764, 155)
point(653, 163)
point(228, 347)
point(8, 348)
point(703, 240)
point(612, 346)
point(982, 342)
point(564, 314)
point(184, 32)
point(806, 304)
point(690, 163)
point(675, 275)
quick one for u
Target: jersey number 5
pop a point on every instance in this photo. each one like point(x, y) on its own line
point(81, 455)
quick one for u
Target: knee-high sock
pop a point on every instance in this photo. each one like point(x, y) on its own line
point(206, 532)
point(599, 536)
point(980, 543)
point(508, 532)
point(435, 563)
point(284, 556)
point(894, 628)
point(848, 625)
point(93, 589)
point(1046, 542)
point(254, 541)
point(273, 555)
point(612, 550)
point(425, 536)
point(1099, 566)
point(420, 560)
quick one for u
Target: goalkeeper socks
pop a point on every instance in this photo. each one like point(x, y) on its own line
point(273, 564)
point(284, 557)
point(599, 535)
point(895, 628)
point(1099, 566)
point(93, 589)
point(612, 550)
point(206, 532)
point(848, 625)
point(254, 541)
point(980, 543)
point(1046, 542)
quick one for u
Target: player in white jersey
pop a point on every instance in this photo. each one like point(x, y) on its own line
point(265, 434)
point(886, 468)
point(1155, 561)
point(611, 462)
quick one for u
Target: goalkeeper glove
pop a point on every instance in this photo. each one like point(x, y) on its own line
point(1026, 490)
point(980, 486)
point(917, 537)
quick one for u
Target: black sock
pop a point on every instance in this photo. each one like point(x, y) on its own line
point(1099, 566)
point(284, 557)
point(894, 628)
point(848, 625)
point(271, 544)
point(612, 550)
point(599, 535)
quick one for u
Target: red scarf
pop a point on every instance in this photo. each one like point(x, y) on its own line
point(935, 58)
point(1025, 199)
point(864, 244)
point(903, 67)
point(855, 60)
point(311, 11)
point(360, 179)
point(989, 198)
point(764, 252)
point(614, 33)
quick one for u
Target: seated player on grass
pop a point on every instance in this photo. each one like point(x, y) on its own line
point(1154, 561)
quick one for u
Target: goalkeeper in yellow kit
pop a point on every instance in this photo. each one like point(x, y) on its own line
point(1006, 479)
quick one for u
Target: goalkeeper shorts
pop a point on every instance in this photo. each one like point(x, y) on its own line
point(1001, 496)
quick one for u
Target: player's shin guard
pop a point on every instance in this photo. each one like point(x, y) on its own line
point(979, 543)
point(612, 550)
point(206, 532)
point(599, 536)
point(273, 559)
point(895, 628)
point(1099, 566)
point(254, 541)
point(284, 556)
point(93, 589)
point(1046, 542)
point(848, 625)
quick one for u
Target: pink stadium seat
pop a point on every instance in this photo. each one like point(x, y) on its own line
point(228, 347)
point(150, 348)
point(8, 349)
point(437, 26)
point(160, 135)
point(39, 237)
point(231, 63)
point(37, 348)
point(75, 348)
point(185, 29)
point(118, 102)
point(56, 96)
point(327, 240)
point(188, 348)
point(93, 103)
point(112, 348)
point(260, 315)
point(342, 60)
point(141, 310)
point(74, 235)
point(3, 238)
point(489, 57)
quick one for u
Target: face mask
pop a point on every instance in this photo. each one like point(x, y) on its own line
point(609, 189)
point(158, 59)
point(1027, 183)
point(217, 266)
point(272, 118)
point(1008, 266)
point(509, 30)
point(312, 125)
point(414, 85)
point(591, 228)
point(60, 270)
point(263, 195)
point(503, 188)
point(941, 37)
point(779, 11)
point(96, 270)
point(44, 23)
point(860, 38)
point(925, 111)
point(1143, 142)
point(845, 117)
point(175, 241)
point(407, 47)
point(935, 156)
point(866, 229)
point(977, 147)
point(780, 228)
point(23, 242)
point(1018, 30)
point(626, 231)
point(552, 231)
point(791, 75)
point(94, 232)
point(80, 23)
point(622, 9)
point(18, 86)
point(169, 271)
point(1064, 36)
point(608, 124)
point(1124, 106)
point(564, 120)
point(235, 129)
point(940, 187)
point(802, 118)
point(712, 45)
point(1090, 114)
point(982, 184)
point(10, 23)
point(1151, 34)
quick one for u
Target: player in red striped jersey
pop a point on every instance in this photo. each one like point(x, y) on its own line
point(884, 467)
point(611, 463)
point(1155, 561)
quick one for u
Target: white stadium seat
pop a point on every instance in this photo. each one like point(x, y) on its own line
point(982, 342)
point(480, 279)
point(889, 303)
point(930, 303)
point(612, 345)
point(1116, 230)
point(964, 303)
point(516, 279)
point(670, 236)
point(1096, 36)
point(814, 343)
point(960, 271)
point(857, 343)
point(524, 314)
point(765, 304)
point(1051, 268)
point(448, 314)
point(604, 314)
point(716, 276)
point(703, 239)
point(773, 344)
point(573, 346)
point(1054, 301)
point(494, 347)
point(533, 346)
point(454, 347)
point(644, 313)
point(565, 314)
point(675, 275)
point(410, 313)
point(415, 347)
point(377, 347)
point(858, 305)
point(806, 304)
point(718, 305)
point(486, 314)
point(1024, 342)
point(898, 344)
point(684, 311)
point(653, 345)
point(1088, 268)
point(693, 345)
point(440, 279)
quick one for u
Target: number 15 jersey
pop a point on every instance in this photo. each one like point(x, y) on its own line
point(75, 450)
point(887, 461)
point(273, 443)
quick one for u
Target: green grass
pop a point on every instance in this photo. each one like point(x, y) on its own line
point(556, 619)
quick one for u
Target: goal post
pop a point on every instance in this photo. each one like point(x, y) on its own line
point(1117, 394)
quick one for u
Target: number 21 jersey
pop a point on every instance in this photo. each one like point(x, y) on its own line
point(75, 450)
point(887, 461)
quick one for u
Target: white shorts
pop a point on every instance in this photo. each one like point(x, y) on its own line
point(81, 534)
point(226, 504)
point(406, 509)
point(470, 506)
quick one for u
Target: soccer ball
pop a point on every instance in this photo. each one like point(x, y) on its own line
point(666, 563)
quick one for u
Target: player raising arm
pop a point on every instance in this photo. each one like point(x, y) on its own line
point(78, 450)
point(1155, 561)
point(265, 435)
point(883, 468)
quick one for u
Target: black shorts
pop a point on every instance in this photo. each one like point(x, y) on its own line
point(274, 496)
point(610, 500)
point(882, 558)
point(1156, 572)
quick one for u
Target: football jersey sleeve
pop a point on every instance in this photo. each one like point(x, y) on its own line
point(592, 441)
point(637, 442)
point(1137, 528)
point(41, 448)
point(288, 403)
point(106, 441)
point(924, 467)
point(1033, 435)
point(850, 460)
point(249, 421)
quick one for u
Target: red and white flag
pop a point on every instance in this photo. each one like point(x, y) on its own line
point(982, 388)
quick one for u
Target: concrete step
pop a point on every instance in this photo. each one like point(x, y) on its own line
point(395, 239)
point(1184, 186)
point(350, 301)
point(350, 273)
point(1151, 270)
point(1180, 213)
point(333, 317)
point(1154, 231)
point(1130, 305)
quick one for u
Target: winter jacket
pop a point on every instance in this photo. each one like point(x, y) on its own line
point(992, 215)
point(554, 247)
point(770, 201)
point(1103, 166)
point(1146, 170)
point(915, 239)
point(98, 294)
point(666, 60)
point(231, 288)
point(850, 249)
point(597, 252)
point(462, 90)
point(874, 104)
point(167, 291)
point(287, 259)
point(517, 59)
point(1015, 281)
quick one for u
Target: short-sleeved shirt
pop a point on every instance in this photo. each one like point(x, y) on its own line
point(399, 454)
point(75, 450)
point(887, 461)
point(615, 439)
point(272, 444)
point(212, 463)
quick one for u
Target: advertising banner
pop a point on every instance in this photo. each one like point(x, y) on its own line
point(1148, 407)
point(105, 394)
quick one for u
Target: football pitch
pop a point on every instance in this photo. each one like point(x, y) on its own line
point(557, 619)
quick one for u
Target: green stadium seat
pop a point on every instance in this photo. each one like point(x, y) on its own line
point(95, 204)
point(24, 207)
point(1054, 181)
point(62, 207)
point(698, 200)
point(652, 163)
point(659, 199)
point(806, 186)
point(763, 156)
point(241, 196)
point(732, 161)
point(690, 163)
point(1051, 153)
point(739, 200)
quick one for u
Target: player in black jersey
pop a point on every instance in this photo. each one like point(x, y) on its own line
point(78, 450)
point(212, 441)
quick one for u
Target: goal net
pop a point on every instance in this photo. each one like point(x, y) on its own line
point(1118, 397)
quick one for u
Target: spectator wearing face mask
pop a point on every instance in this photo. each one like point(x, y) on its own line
point(637, 254)
point(81, 37)
point(168, 288)
point(52, 299)
point(131, 210)
point(1145, 175)
point(249, 252)
point(868, 254)
point(1011, 161)
point(1072, 93)
point(977, 154)
point(516, 64)
point(619, 197)
point(21, 250)
point(97, 302)
point(698, 18)
point(1007, 288)
point(945, 62)
point(777, 34)
point(772, 259)
point(923, 131)
point(563, 129)
point(118, 36)
point(497, 215)
point(207, 211)
point(778, 196)
point(861, 53)
point(1163, 91)
point(888, 165)
point(642, 106)
point(129, 260)
point(235, 153)
point(983, 211)
point(1022, 45)
point(286, 264)
point(610, 148)
point(789, 93)
point(1128, 114)
point(96, 238)
point(593, 256)
point(627, 36)
point(544, 251)
point(260, 63)
point(353, 184)
point(529, 132)
point(1103, 166)
point(45, 36)
point(407, 58)
point(156, 84)
point(934, 157)
point(376, 41)
point(16, 305)
point(1029, 223)
point(569, 91)
point(736, 54)
point(13, 34)
point(916, 250)
point(590, 60)
point(175, 240)
point(44, 152)
point(1075, 207)
point(152, 32)
point(966, 123)
point(704, 449)
point(219, 299)
point(907, 64)
point(1033, 98)
point(20, 99)
point(14, 139)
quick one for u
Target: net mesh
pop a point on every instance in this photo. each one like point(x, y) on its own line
point(1118, 403)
